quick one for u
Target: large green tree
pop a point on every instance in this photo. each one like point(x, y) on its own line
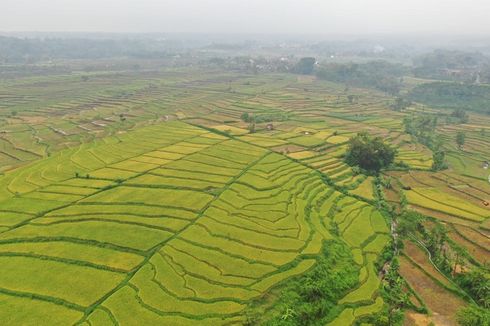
point(369, 153)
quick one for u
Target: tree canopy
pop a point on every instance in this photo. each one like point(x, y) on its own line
point(305, 66)
point(460, 139)
point(369, 153)
point(380, 75)
point(451, 95)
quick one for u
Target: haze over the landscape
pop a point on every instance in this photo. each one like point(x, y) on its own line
point(252, 16)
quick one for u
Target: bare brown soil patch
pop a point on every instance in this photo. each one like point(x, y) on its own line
point(416, 319)
point(288, 148)
point(442, 303)
point(477, 252)
point(480, 239)
point(421, 258)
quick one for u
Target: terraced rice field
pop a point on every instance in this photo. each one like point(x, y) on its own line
point(176, 224)
point(155, 187)
point(451, 198)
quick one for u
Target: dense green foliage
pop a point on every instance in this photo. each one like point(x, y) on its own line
point(423, 129)
point(477, 283)
point(473, 315)
point(394, 293)
point(453, 95)
point(369, 153)
point(380, 75)
point(461, 115)
point(308, 299)
point(265, 117)
point(439, 160)
point(409, 222)
point(449, 65)
point(460, 139)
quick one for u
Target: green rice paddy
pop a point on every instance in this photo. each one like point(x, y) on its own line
point(177, 214)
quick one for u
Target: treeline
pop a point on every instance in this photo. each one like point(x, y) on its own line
point(264, 117)
point(453, 65)
point(465, 78)
point(31, 50)
point(453, 95)
point(381, 75)
point(423, 129)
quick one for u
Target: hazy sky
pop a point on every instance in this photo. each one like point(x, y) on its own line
point(248, 16)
